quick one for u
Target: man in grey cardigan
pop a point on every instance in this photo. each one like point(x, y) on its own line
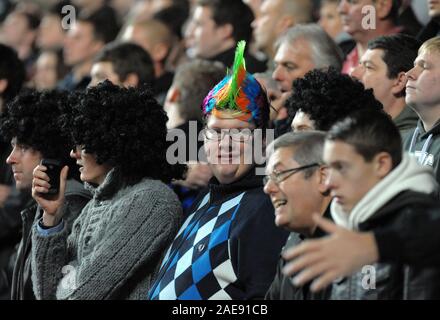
point(118, 241)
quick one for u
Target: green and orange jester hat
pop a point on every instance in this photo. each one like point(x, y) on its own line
point(239, 93)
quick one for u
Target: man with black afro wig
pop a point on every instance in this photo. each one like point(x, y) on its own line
point(123, 128)
point(12, 76)
point(322, 98)
point(119, 239)
point(30, 123)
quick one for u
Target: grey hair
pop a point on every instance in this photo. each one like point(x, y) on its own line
point(325, 52)
point(307, 148)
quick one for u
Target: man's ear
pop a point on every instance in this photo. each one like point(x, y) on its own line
point(173, 94)
point(132, 80)
point(3, 85)
point(383, 8)
point(322, 174)
point(225, 30)
point(159, 52)
point(399, 84)
point(97, 46)
point(285, 23)
point(383, 164)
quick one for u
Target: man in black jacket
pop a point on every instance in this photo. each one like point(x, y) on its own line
point(374, 188)
point(295, 182)
point(215, 28)
point(30, 123)
point(414, 243)
point(12, 75)
point(432, 29)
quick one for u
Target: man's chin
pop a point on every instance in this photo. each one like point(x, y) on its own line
point(280, 222)
point(348, 29)
point(228, 173)
point(21, 186)
point(434, 15)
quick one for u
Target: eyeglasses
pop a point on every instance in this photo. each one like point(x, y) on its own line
point(235, 134)
point(279, 176)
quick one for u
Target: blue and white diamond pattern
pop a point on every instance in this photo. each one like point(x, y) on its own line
point(205, 230)
point(184, 262)
point(230, 204)
point(169, 292)
point(191, 267)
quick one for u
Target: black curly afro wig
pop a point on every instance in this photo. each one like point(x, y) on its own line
point(33, 118)
point(124, 128)
point(329, 96)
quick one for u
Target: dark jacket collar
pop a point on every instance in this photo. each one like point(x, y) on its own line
point(319, 232)
point(248, 181)
point(29, 209)
point(163, 83)
point(226, 57)
point(434, 130)
point(253, 65)
point(404, 199)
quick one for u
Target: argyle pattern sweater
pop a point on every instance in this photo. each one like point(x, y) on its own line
point(227, 248)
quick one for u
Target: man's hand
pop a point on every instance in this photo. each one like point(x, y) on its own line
point(339, 254)
point(51, 206)
point(198, 176)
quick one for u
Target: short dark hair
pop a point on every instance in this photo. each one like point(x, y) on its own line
point(33, 20)
point(12, 70)
point(128, 58)
point(393, 15)
point(174, 17)
point(61, 69)
point(234, 12)
point(369, 132)
point(33, 119)
point(124, 128)
point(400, 51)
point(328, 96)
point(104, 22)
point(57, 8)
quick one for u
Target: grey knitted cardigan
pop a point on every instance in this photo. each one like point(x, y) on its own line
point(116, 244)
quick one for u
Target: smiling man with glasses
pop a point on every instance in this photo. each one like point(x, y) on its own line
point(295, 182)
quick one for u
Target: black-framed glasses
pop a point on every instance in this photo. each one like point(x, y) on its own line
point(237, 135)
point(279, 176)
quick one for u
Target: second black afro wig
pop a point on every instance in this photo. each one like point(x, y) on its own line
point(125, 128)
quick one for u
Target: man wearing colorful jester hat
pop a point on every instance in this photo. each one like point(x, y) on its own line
point(238, 104)
point(228, 246)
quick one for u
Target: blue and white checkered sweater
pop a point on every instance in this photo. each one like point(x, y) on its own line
point(227, 248)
